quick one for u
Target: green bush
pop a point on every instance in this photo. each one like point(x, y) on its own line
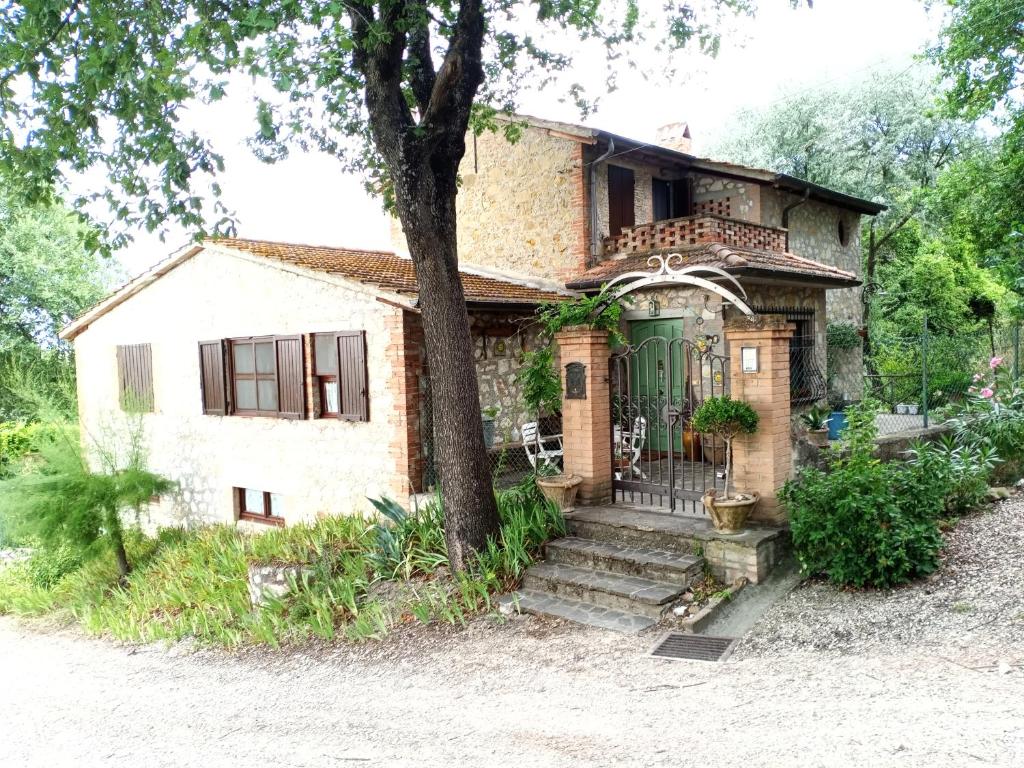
point(962, 470)
point(48, 566)
point(865, 522)
point(992, 415)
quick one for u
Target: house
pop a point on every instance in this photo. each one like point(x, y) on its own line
point(295, 385)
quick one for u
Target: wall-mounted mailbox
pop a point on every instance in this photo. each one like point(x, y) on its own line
point(576, 381)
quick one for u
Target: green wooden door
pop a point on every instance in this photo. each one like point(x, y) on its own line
point(653, 384)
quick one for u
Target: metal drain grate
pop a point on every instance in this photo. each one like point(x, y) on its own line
point(678, 645)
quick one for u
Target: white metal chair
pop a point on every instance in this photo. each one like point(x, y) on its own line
point(547, 448)
point(628, 445)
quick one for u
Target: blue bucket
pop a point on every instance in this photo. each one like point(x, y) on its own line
point(836, 424)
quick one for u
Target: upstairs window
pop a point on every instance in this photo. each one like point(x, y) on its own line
point(621, 189)
point(670, 199)
point(339, 364)
point(135, 377)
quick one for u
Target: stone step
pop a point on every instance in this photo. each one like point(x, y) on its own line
point(629, 594)
point(546, 604)
point(655, 564)
point(750, 554)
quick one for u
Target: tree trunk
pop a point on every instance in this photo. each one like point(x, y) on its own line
point(427, 212)
point(116, 533)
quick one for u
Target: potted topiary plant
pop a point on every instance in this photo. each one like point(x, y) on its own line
point(816, 420)
point(726, 418)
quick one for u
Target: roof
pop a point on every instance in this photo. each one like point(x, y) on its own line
point(782, 181)
point(379, 270)
point(386, 270)
point(742, 262)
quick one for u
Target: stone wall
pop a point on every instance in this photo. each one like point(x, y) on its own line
point(499, 342)
point(814, 234)
point(728, 197)
point(521, 207)
point(318, 466)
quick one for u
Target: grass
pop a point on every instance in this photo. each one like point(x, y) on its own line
point(193, 584)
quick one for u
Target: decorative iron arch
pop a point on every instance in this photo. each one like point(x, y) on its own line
point(666, 274)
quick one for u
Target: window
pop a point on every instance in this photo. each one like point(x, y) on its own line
point(260, 506)
point(265, 376)
point(339, 364)
point(844, 235)
point(135, 377)
point(671, 199)
point(806, 383)
point(621, 186)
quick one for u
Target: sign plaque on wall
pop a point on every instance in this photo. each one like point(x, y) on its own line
point(748, 359)
point(576, 381)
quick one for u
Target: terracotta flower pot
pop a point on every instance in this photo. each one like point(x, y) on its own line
point(561, 489)
point(730, 515)
point(818, 437)
point(691, 444)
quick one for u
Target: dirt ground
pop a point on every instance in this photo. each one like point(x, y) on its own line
point(931, 675)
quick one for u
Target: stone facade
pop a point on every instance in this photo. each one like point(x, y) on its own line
point(728, 197)
point(521, 206)
point(317, 466)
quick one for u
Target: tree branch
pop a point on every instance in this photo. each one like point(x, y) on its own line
point(420, 62)
point(461, 73)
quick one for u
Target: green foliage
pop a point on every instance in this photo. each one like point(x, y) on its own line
point(600, 312)
point(962, 470)
point(865, 522)
point(724, 417)
point(98, 92)
point(816, 418)
point(48, 566)
point(62, 502)
point(539, 382)
point(842, 336)
point(357, 580)
point(992, 416)
point(16, 441)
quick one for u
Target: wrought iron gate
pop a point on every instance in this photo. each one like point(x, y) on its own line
point(656, 386)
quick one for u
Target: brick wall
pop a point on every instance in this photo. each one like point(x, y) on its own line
point(694, 230)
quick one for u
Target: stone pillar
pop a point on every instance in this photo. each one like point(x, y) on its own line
point(587, 422)
point(762, 461)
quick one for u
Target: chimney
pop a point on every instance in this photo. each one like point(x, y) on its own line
point(675, 136)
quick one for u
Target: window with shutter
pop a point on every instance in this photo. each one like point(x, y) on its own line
point(621, 191)
point(254, 376)
point(135, 377)
point(213, 378)
point(340, 367)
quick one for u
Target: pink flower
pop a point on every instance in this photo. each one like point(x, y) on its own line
point(995, 362)
point(986, 392)
point(977, 377)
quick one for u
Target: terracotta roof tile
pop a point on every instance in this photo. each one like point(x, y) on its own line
point(387, 270)
point(727, 257)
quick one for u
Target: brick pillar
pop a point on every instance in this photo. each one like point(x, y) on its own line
point(762, 461)
point(587, 423)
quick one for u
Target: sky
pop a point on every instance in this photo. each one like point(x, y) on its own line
point(780, 52)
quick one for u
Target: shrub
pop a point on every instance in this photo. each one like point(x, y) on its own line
point(993, 415)
point(48, 566)
point(864, 522)
point(961, 470)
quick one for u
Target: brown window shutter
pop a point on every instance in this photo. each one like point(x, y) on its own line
point(621, 191)
point(291, 377)
point(212, 376)
point(135, 376)
point(352, 376)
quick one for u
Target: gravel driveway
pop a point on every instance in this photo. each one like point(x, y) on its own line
point(905, 678)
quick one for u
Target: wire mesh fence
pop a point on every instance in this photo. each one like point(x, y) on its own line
point(922, 379)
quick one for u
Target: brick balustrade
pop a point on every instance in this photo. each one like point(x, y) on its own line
point(695, 230)
point(586, 423)
point(762, 461)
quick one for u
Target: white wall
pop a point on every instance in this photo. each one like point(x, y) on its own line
point(319, 466)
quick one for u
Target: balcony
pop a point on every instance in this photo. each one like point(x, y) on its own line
point(695, 230)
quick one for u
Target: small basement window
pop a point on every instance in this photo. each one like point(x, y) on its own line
point(260, 506)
